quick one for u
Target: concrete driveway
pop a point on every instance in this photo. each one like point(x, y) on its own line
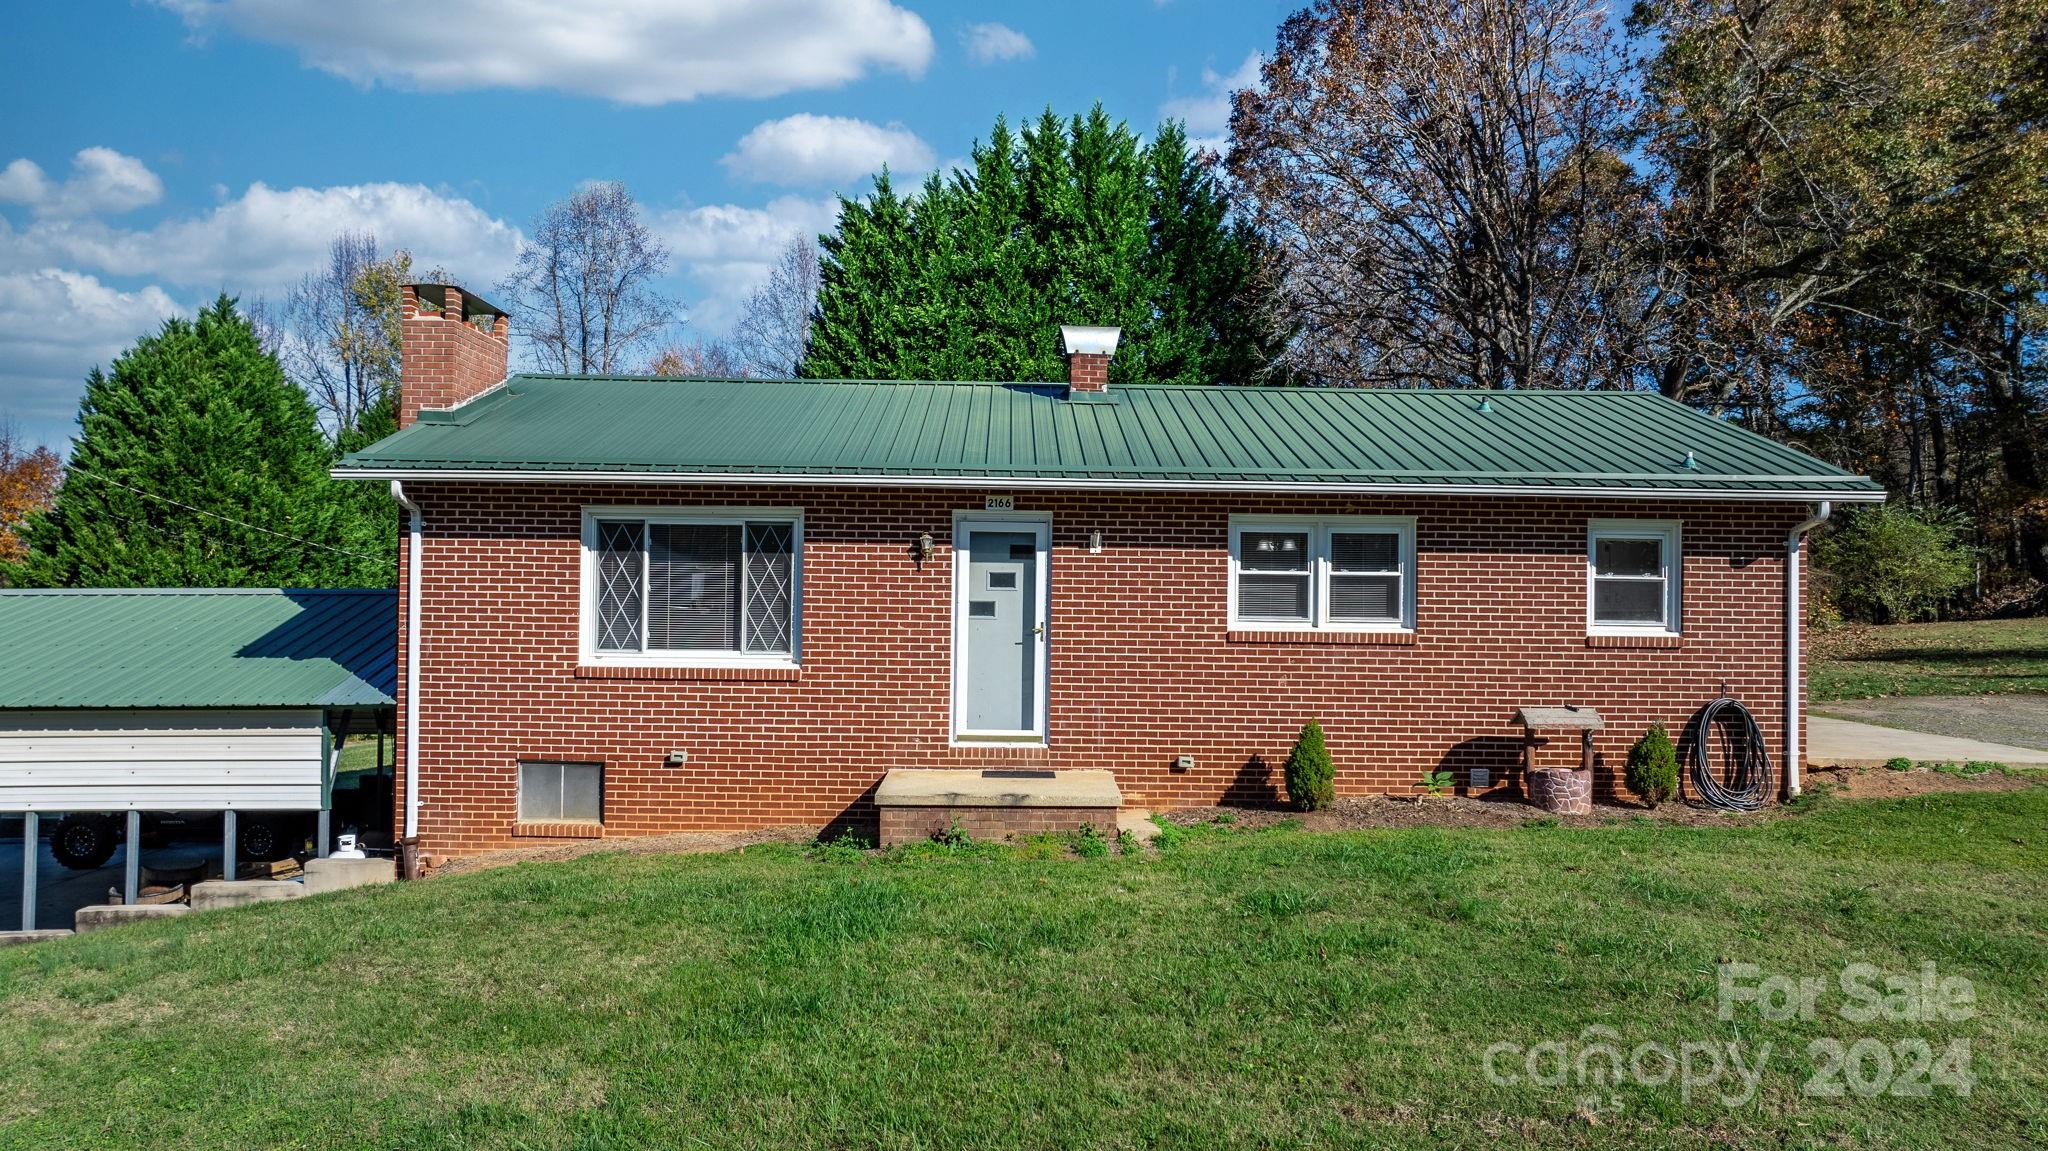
point(2008, 729)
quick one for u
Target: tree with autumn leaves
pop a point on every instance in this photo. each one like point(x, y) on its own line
point(1825, 218)
point(28, 483)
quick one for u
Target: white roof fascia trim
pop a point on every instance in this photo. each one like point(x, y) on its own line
point(1304, 487)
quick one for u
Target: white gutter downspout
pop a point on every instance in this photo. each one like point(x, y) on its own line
point(412, 662)
point(1793, 695)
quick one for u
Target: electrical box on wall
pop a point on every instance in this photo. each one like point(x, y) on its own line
point(1482, 777)
point(1184, 763)
point(678, 756)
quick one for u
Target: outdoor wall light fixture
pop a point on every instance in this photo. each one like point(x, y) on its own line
point(1095, 542)
point(924, 547)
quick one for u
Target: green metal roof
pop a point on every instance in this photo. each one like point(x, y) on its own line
point(211, 647)
point(1143, 435)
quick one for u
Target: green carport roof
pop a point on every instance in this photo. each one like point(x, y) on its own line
point(243, 648)
point(1134, 436)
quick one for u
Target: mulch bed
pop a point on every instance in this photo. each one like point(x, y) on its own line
point(1381, 811)
point(1356, 813)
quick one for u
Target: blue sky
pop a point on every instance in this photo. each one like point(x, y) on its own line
point(156, 152)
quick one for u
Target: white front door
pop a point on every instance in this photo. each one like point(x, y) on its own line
point(999, 629)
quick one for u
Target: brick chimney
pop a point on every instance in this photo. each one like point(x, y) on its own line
point(1088, 351)
point(454, 347)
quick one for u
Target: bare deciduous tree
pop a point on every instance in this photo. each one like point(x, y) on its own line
point(1445, 182)
point(336, 333)
point(581, 294)
point(775, 327)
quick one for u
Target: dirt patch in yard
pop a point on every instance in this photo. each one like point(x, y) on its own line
point(1883, 783)
point(678, 843)
point(1381, 811)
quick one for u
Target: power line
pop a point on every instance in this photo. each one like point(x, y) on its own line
point(74, 469)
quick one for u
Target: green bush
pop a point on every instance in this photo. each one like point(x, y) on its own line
point(1311, 777)
point(1887, 564)
point(1653, 766)
point(1898, 763)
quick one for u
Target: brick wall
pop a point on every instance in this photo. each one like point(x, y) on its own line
point(446, 360)
point(916, 824)
point(1142, 666)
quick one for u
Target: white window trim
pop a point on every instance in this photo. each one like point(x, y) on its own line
point(1670, 537)
point(1319, 529)
point(590, 656)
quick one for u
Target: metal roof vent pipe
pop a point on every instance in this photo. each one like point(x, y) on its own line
point(1088, 350)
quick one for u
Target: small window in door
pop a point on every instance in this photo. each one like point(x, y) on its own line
point(1002, 579)
point(981, 608)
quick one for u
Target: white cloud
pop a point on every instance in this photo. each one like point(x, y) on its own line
point(102, 181)
point(726, 250)
point(807, 149)
point(633, 51)
point(994, 43)
point(266, 238)
point(55, 326)
point(1207, 115)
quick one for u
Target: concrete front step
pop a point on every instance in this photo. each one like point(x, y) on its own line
point(115, 914)
point(22, 938)
point(324, 875)
point(919, 803)
point(218, 893)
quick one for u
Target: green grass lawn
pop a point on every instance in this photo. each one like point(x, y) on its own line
point(1235, 989)
point(359, 755)
point(1970, 658)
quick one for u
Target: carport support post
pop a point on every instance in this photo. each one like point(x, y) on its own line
point(31, 847)
point(227, 844)
point(131, 886)
point(330, 764)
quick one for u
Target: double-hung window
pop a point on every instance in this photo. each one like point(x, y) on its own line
point(1632, 576)
point(1354, 573)
point(692, 586)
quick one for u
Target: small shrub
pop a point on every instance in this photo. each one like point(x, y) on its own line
point(1438, 782)
point(1898, 763)
point(1089, 843)
point(1653, 766)
point(953, 836)
point(1225, 818)
point(1126, 843)
point(1311, 777)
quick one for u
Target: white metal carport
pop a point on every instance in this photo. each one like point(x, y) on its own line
point(147, 700)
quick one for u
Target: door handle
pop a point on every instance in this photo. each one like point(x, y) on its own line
point(1039, 631)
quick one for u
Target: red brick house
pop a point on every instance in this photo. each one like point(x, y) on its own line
point(634, 606)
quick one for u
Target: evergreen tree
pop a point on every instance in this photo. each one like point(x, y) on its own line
point(198, 464)
point(1065, 222)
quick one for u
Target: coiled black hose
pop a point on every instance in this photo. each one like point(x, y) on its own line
point(1746, 784)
